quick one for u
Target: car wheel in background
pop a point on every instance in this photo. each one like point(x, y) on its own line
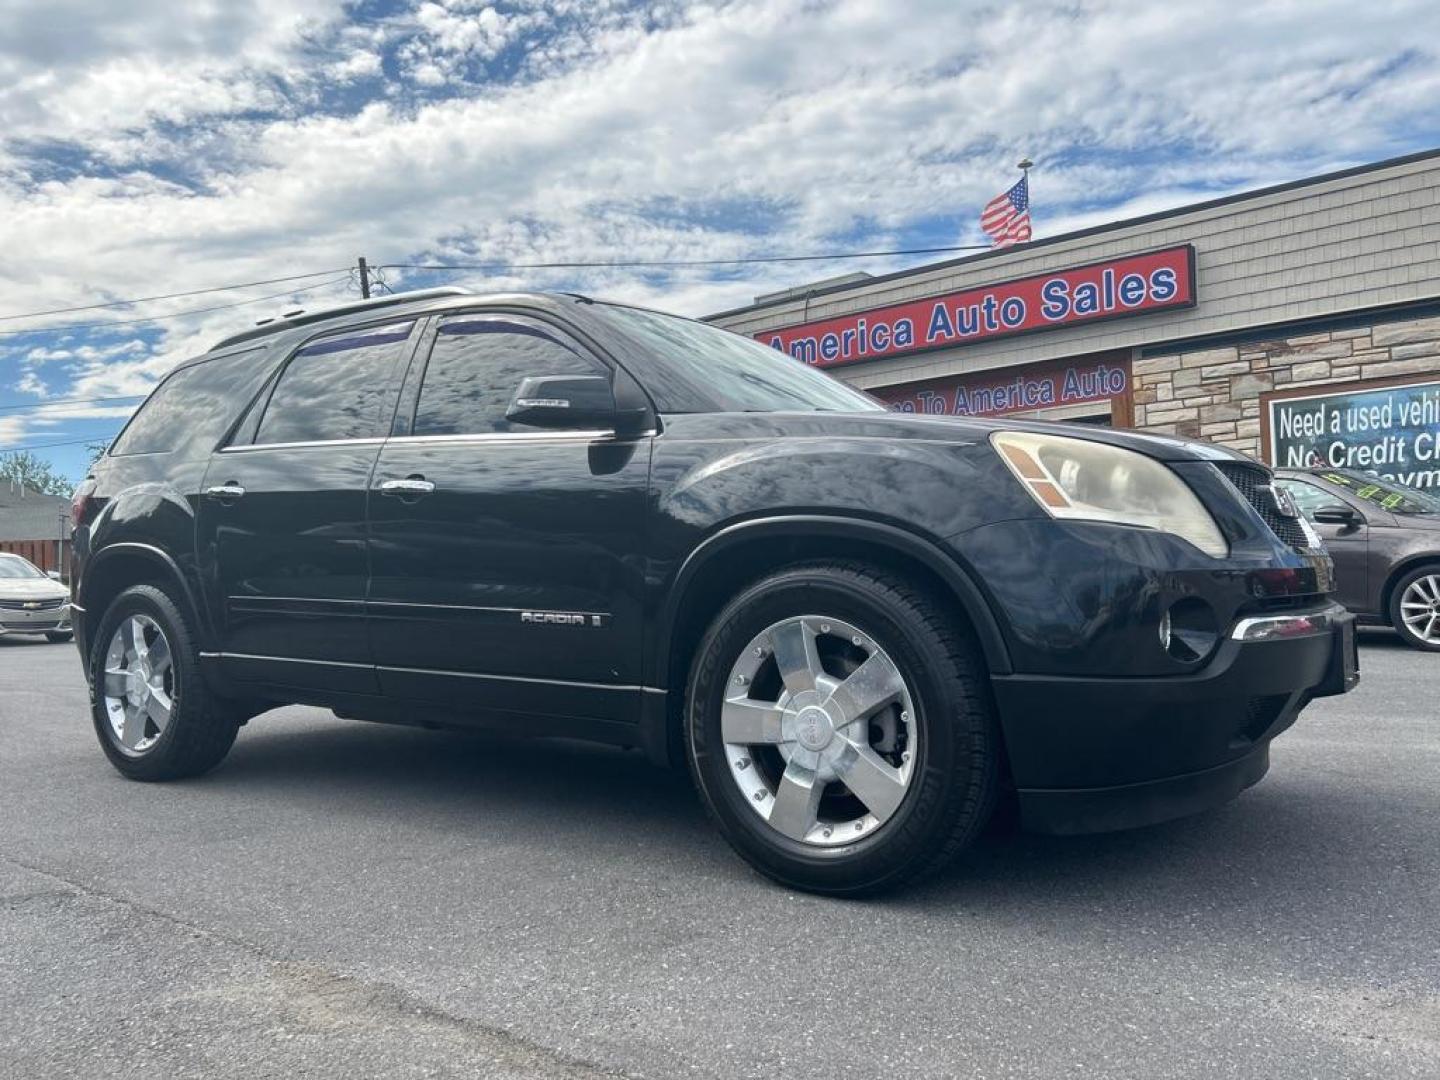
point(840, 730)
point(1415, 608)
point(155, 717)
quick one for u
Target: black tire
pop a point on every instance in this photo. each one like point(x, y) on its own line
point(202, 726)
point(1397, 595)
point(58, 636)
point(957, 774)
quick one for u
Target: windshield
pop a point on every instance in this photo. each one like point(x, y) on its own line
point(1386, 494)
point(12, 566)
point(729, 372)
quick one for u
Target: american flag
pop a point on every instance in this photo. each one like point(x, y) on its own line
point(1006, 218)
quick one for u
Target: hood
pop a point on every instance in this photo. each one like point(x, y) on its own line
point(1425, 522)
point(31, 589)
point(1161, 447)
point(895, 425)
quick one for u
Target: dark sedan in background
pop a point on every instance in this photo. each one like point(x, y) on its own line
point(1385, 540)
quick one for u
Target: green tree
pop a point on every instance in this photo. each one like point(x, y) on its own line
point(96, 450)
point(37, 474)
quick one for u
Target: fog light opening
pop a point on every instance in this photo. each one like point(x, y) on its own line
point(1189, 630)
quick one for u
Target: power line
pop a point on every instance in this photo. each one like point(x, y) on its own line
point(49, 445)
point(638, 263)
point(48, 402)
point(176, 295)
point(63, 327)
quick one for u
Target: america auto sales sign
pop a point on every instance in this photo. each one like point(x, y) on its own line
point(1129, 285)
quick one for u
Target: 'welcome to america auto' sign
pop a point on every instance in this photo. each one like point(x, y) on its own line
point(1132, 285)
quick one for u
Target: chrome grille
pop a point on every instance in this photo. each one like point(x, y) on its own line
point(1249, 480)
point(30, 605)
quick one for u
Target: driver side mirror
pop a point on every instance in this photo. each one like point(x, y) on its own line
point(563, 401)
point(53, 575)
point(571, 402)
point(1337, 514)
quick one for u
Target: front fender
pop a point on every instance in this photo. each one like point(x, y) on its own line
point(880, 534)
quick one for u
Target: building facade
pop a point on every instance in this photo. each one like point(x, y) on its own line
point(1299, 324)
point(35, 526)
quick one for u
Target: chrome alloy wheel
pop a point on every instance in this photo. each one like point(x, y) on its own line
point(1420, 608)
point(819, 730)
point(139, 689)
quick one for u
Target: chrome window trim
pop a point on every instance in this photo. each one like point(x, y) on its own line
point(592, 435)
point(373, 440)
point(490, 436)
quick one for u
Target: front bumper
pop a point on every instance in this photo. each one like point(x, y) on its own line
point(1094, 754)
point(41, 621)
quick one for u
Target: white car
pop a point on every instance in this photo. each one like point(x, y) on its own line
point(31, 601)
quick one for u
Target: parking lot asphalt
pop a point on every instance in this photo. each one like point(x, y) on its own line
point(343, 899)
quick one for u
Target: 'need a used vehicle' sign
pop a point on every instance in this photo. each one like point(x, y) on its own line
point(1390, 430)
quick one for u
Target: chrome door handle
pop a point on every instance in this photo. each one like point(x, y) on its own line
point(411, 486)
point(224, 492)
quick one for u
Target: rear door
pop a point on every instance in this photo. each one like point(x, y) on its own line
point(282, 514)
point(507, 564)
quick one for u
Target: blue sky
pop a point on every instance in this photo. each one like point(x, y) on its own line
point(152, 147)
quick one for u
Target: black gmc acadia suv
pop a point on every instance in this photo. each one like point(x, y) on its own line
point(557, 516)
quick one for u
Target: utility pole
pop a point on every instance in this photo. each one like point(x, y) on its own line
point(364, 279)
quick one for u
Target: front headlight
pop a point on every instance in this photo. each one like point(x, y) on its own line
point(1090, 481)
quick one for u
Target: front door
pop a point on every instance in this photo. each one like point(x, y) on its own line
point(1348, 545)
point(281, 521)
point(506, 561)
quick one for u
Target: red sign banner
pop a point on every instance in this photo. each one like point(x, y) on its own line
point(1024, 389)
point(1132, 285)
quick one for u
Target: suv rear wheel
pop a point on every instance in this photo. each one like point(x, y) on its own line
point(1415, 608)
point(840, 730)
point(155, 717)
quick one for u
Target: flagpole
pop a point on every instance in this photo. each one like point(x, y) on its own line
point(1024, 165)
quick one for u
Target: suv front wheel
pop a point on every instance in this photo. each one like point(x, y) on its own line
point(840, 730)
point(155, 717)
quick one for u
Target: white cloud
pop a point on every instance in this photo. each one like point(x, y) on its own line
point(664, 131)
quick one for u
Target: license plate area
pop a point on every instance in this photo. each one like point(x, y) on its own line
point(1344, 671)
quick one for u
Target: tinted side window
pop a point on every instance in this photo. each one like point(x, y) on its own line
point(335, 387)
point(192, 407)
point(476, 366)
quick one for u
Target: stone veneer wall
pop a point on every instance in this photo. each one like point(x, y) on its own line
point(1215, 394)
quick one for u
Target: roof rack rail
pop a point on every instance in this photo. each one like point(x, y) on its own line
point(302, 318)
